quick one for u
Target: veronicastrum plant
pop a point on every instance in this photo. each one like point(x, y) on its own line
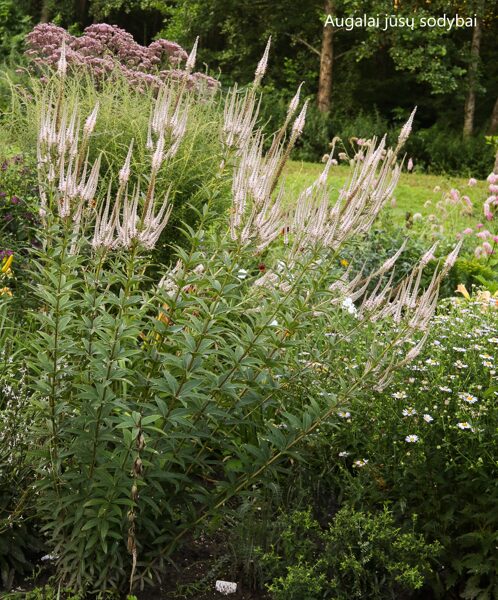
point(158, 402)
point(123, 117)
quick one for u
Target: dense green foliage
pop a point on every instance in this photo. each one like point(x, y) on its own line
point(359, 555)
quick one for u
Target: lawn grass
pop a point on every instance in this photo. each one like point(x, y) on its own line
point(413, 191)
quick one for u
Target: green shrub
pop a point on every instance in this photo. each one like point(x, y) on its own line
point(360, 555)
point(439, 150)
point(472, 272)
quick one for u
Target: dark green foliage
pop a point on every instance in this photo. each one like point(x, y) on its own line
point(18, 198)
point(442, 150)
point(436, 149)
point(15, 23)
point(473, 272)
point(20, 539)
point(358, 555)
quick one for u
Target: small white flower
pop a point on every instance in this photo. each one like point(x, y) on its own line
point(242, 274)
point(444, 389)
point(348, 304)
point(274, 323)
point(411, 439)
point(432, 362)
point(360, 463)
point(343, 454)
point(400, 395)
point(469, 398)
point(409, 412)
point(344, 414)
point(464, 425)
point(428, 418)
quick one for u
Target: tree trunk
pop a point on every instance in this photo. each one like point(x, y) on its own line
point(493, 123)
point(470, 101)
point(81, 11)
point(45, 11)
point(326, 63)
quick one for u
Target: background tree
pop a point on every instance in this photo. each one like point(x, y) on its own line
point(326, 62)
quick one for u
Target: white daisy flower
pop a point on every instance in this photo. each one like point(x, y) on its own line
point(409, 412)
point(431, 362)
point(469, 398)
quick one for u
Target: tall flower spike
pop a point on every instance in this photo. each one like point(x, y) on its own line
point(91, 121)
point(158, 156)
point(191, 57)
point(406, 129)
point(263, 63)
point(149, 143)
point(90, 188)
point(428, 256)
point(105, 225)
point(62, 63)
point(124, 173)
point(297, 128)
point(294, 103)
point(451, 258)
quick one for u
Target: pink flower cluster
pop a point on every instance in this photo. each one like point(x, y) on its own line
point(487, 240)
point(491, 203)
point(103, 48)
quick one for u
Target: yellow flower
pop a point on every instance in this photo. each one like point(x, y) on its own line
point(5, 292)
point(463, 290)
point(486, 299)
point(344, 262)
point(7, 262)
